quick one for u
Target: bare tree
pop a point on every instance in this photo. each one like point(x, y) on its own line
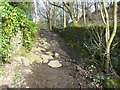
point(108, 35)
point(68, 7)
point(49, 13)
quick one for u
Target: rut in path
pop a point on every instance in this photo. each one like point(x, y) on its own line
point(70, 75)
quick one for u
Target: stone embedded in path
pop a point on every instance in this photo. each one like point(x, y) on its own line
point(40, 49)
point(26, 61)
point(46, 58)
point(57, 55)
point(49, 53)
point(55, 64)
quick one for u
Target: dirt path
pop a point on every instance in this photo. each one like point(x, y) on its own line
point(41, 75)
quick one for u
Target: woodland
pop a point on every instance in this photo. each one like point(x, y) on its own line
point(73, 44)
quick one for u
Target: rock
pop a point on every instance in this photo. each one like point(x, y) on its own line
point(37, 53)
point(26, 61)
point(38, 49)
point(29, 58)
point(28, 71)
point(55, 64)
point(44, 46)
point(17, 58)
point(46, 58)
point(39, 60)
point(45, 61)
point(49, 53)
point(57, 55)
point(32, 57)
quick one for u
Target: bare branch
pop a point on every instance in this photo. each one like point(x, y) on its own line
point(66, 10)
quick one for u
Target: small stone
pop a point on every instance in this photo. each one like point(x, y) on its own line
point(18, 58)
point(41, 49)
point(45, 61)
point(28, 71)
point(26, 61)
point(55, 64)
point(46, 58)
point(39, 60)
point(49, 53)
point(57, 55)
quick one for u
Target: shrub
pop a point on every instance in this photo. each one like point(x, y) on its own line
point(14, 20)
point(90, 41)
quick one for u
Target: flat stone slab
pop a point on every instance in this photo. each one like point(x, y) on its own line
point(55, 64)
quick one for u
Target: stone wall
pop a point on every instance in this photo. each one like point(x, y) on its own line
point(16, 41)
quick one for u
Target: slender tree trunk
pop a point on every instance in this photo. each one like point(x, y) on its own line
point(54, 19)
point(75, 22)
point(84, 12)
point(49, 24)
point(107, 64)
point(35, 7)
point(72, 15)
point(109, 37)
point(77, 11)
point(96, 6)
point(102, 14)
point(64, 18)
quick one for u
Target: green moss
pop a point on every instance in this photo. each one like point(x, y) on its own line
point(112, 83)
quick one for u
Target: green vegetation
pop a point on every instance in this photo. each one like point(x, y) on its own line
point(2, 72)
point(16, 80)
point(100, 79)
point(98, 47)
point(14, 20)
point(90, 42)
point(112, 83)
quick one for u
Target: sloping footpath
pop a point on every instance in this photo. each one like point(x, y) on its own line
point(50, 64)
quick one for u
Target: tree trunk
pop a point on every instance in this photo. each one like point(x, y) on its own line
point(49, 24)
point(64, 18)
point(54, 18)
point(72, 15)
point(96, 6)
point(107, 37)
point(35, 8)
point(75, 22)
point(84, 12)
point(108, 64)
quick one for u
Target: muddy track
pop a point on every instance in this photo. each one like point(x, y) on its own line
point(40, 75)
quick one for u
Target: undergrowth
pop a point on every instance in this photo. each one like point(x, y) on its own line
point(13, 19)
point(90, 42)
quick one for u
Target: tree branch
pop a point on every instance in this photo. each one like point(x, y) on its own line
point(66, 10)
